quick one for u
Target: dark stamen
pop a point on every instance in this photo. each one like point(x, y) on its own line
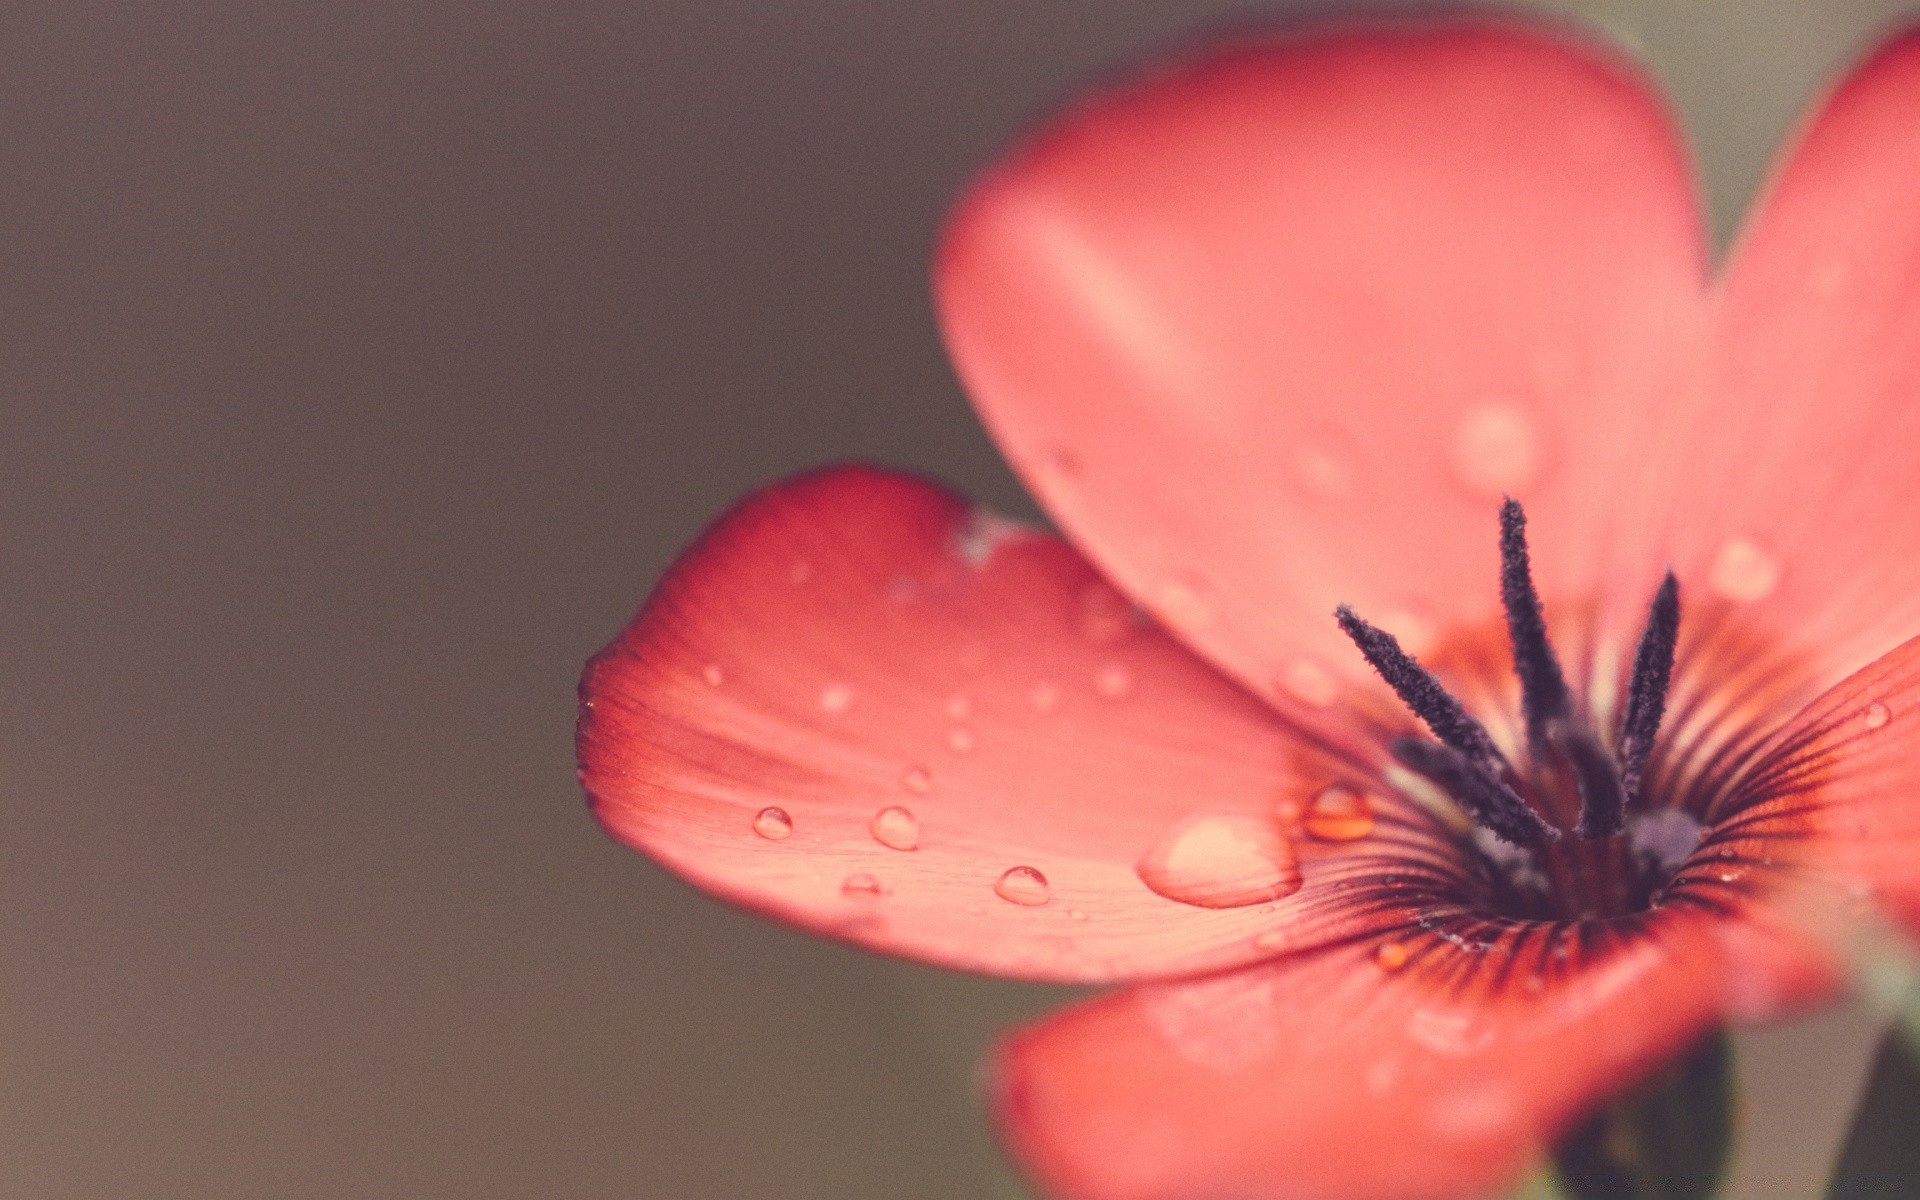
point(1543, 689)
point(1489, 802)
point(1647, 689)
point(1603, 797)
point(1422, 693)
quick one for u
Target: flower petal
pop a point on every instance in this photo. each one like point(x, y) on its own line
point(1274, 329)
point(1330, 1076)
point(1789, 487)
point(1834, 790)
point(975, 748)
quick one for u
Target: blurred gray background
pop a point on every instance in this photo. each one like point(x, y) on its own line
point(361, 365)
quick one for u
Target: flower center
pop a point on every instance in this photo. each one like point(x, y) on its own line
point(1593, 872)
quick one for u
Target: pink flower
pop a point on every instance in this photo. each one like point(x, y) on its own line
point(1269, 331)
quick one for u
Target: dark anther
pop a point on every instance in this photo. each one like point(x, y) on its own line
point(1543, 689)
point(1490, 803)
point(1647, 689)
point(1422, 693)
point(1603, 795)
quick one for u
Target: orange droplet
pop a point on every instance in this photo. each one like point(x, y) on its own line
point(1338, 814)
point(1392, 955)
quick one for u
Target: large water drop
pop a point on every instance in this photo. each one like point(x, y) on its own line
point(1221, 862)
point(1023, 886)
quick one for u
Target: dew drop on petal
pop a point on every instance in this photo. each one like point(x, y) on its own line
point(862, 886)
point(895, 828)
point(1496, 449)
point(1274, 939)
point(1186, 601)
point(1391, 956)
point(1023, 886)
point(1309, 683)
point(836, 698)
point(1742, 571)
point(713, 674)
point(1338, 814)
point(917, 780)
point(1076, 915)
point(1105, 615)
point(1323, 475)
point(1044, 697)
point(959, 707)
point(1877, 714)
point(1221, 862)
point(960, 740)
point(1113, 681)
point(773, 824)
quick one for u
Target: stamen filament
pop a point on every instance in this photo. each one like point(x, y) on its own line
point(1603, 795)
point(1544, 699)
point(1491, 803)
point(1422, 693)
point(1648, 686)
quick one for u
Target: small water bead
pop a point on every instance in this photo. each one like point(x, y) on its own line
point(862, 886)
point(836, 698)
point(960, 740)
point(1186, 601)
point(1391, 956)
point(1045, 697)
point(1877, 715)
point(1309, 683)
point(773, 824)
point(713, 674)
point(1077, 915)
point(1323, 475)
point(1221, 862)
point(1113, 681)
point(1743, 571)
point(1023, 886)
point(1496, 449)
point(959, 707)
point(1338, 814)
point(917, 780)
point(1105, 614)
point(895, 828)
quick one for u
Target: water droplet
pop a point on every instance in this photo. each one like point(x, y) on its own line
point(1113, 681)
point(1187, 601)
point(1414, 632)
point(1877, 715)
point(1496, 449)
point(1221, 862)
point(713, 674)
point(1059, 462)
point(1391, 956)
point(1274, 939)
point(1744, 572)
point(1023, 886)
point(1105, 615)
point(1076, 915)
point(960, 741)
point(959, 707)
point(1309, 683)
point(799, 571)
point(836, 698)
point(862, 886)
point(917, 780)
point(1338, 814)
point(1323, 476)
point(773, 824)
point(1045, 697)
point(895, 828)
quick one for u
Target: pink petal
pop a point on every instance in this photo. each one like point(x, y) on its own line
point(1273, 328)
point(973, 745)
point(1348, 1074)
point(1788, 486)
